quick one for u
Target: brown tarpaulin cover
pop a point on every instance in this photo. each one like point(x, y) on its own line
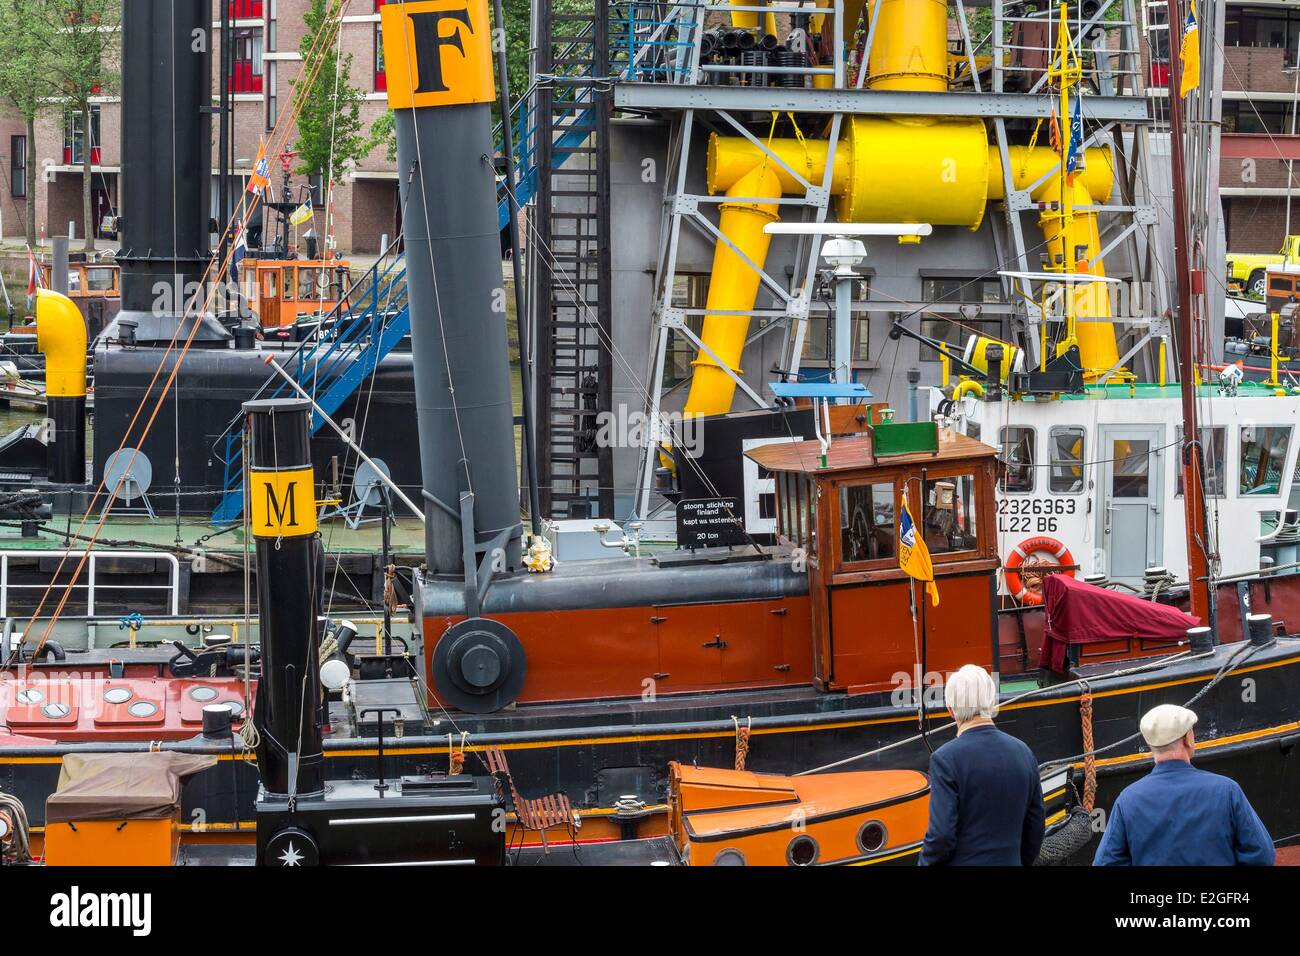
point(139, 786)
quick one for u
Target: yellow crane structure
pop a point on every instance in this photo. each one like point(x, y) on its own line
point(905, 169)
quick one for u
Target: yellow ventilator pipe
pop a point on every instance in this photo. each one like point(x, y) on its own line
point(733, 282)
point(748, 19)
point(1098, 349)
point(910, 47)
point(61, 338)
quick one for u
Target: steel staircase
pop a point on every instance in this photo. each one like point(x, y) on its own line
point(331, 365)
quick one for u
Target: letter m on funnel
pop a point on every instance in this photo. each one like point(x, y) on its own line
point(437, 53)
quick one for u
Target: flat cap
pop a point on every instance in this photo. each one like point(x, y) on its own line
point(1166, 723)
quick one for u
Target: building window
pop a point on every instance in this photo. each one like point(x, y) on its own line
point(272, 93)
point(819, 338)
point(381, 75)
point(1256, 116)
point(954, 332)
point(1066, 444)
point(18, 167)
point(74, 140)
point(246, 68)
point(246, 9)
point(1271, 27)
point(1017, 459)
point(689, 292)
point(272, 18)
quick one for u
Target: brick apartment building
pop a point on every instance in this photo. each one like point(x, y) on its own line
point(267, 35)
point(1260, 124)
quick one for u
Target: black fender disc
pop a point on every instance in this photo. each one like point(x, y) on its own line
point(479, 666)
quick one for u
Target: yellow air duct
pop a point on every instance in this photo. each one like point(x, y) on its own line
point(733, 280)
point(748, 19)
point(940, 171)
point(61, 338)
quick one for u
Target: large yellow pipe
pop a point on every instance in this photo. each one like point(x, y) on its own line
point(61, 338)
point(888, 169)
point(731, 281)
point(748, 19)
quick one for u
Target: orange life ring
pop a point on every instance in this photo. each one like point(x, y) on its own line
point(1033, 550)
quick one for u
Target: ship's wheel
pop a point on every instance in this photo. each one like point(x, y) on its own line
point(479, 666)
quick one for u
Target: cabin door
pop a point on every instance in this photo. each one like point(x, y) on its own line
point(1130, 502)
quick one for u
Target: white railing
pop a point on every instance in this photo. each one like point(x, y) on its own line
point(88, 581)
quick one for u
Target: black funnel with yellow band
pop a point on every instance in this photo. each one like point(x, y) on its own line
point(282, 516)
point(61, 338)
point(438, 55)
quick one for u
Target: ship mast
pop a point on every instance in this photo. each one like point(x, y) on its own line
point(1190, 451)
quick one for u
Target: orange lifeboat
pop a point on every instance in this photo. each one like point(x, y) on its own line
point(737, 818)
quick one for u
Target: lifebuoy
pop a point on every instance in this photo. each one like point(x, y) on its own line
point(1033, 550)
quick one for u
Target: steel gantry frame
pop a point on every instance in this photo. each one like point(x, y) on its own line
point(666, 75)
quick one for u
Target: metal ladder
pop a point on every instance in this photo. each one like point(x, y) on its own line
point(569, 154)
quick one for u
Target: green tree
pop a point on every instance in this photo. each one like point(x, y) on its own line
point(329, 108)
point(25, 83)
point(85, 42)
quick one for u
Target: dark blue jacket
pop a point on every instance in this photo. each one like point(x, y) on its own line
point(1178, 815)
point(986, 802)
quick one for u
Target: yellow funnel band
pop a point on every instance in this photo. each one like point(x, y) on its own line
point(61, 338)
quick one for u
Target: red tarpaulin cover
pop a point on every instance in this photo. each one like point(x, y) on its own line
point(1079, 613)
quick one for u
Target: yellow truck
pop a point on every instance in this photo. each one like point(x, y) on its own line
point(1246, 270)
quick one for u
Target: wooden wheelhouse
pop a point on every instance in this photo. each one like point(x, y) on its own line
point(839, 512)
point(284, 291)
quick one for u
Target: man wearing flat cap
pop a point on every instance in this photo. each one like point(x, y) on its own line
point(1178, 815)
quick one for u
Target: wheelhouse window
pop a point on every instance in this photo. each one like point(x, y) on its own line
point(1066, 445)
point(868, 526)
point(1263, 456)
point(1017, 444)
point(797, 511)
point(949, 516)
point(1212, 454)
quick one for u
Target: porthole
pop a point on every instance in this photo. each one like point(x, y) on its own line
point(729, 857)
point(30, 696)
point(142, 708)
point(203, 694)
point(802, 851)
point(872, 836)
point(118, 695)
point(56, 711)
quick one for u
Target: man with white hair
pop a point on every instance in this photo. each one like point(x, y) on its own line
point(1178, 815)
point(986, 802)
